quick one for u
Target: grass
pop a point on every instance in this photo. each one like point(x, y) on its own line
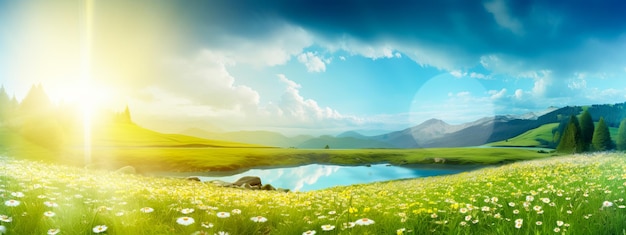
point(226, 159)
point(582, 194)
point(119, 145)
point(538, 137)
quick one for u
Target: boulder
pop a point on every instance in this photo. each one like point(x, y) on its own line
point(220, 183)
point(268, 187)
point(250, 180)
point(193, 178)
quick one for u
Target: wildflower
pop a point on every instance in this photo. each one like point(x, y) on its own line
point(12, 203)
point(463, 223)
point(556, 230)
point(200, 233)
point(530, 198)
point(468, 218)
point(53, 231)
point(485, 208)
point(474, 221)
point(186, 211)
point(147, 210)
point(6, 219)
point(349, 225)
point(328, 227)
point(310, 232)
point(49, 213)
point(17, 194)
point(537, 208)
point(516, 211)
point(3, 229)
point(207, 225)
point(100, 228)
point(559, 223)
point(497, 216)
point(538, 223)
point(120, 213)
point(400, 231)
point(353, 210)
point(463, 210)
point(545, 200)
point(223, 214)
point(607, 204)
point(364, 221)
point(511, 204)
point(185, 220)
point(332, 212)
point(433, 215)
point(259, 219)
point(50, 204)
point(518, 223)
point(221, 233)
point(236, 211)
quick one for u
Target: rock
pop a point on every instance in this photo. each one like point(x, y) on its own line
point(283, 190)
point(250, 180)
point(193, 178)
point(246, 186)
point(268, 187)
point(126, 170)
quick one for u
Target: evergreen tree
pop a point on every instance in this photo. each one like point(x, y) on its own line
point(571, 141)
point(621, 135)
point(602, 137)
point(586, 129)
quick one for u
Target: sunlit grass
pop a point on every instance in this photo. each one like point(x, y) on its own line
point(581, 194)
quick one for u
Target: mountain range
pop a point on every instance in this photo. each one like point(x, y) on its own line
point(429, 134)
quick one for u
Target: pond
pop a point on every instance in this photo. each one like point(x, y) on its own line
point(316, 176)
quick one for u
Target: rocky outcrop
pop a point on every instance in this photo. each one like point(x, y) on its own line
point(249, 183)
point(249, 180)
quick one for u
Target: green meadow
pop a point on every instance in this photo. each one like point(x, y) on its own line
point(581, 194)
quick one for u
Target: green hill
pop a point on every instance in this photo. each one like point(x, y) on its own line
point(538, 137)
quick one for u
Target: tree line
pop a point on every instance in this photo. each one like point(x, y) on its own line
point(579, 134)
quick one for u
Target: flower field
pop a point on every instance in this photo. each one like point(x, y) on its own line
point(581, 194)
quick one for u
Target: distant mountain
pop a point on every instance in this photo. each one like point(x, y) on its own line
point(343, 143)
point(436, 133)
point(266, 138)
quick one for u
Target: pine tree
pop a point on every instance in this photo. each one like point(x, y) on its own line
point(586, 129)
point(571, 141)
point(602, 137)
point(621, 135)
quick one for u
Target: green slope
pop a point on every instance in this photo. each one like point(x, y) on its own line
point(538, 137)
point(131, 135)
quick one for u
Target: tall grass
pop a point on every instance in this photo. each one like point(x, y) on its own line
point(582, 194)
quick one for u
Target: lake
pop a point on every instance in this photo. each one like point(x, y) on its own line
point(316, 176)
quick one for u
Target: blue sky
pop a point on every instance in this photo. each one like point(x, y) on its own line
point(321, 66)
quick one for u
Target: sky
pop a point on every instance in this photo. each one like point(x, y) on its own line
point(315, 67)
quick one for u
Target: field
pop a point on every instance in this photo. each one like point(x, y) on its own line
point(582, 194)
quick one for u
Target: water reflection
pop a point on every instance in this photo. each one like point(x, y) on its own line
point(315, 176)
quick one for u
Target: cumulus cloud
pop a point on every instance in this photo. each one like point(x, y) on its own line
point(312, 62)
point(500, 12)
point(497, 94)
point(293, 105)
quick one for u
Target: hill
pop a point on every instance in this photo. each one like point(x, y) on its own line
point(266, 138)
point(342, 143)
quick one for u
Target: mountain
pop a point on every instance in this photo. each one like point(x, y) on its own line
point(266, 138)
point(437, 133)
point(342, 143)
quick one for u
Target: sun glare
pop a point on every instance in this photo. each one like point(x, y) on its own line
point(85, 75)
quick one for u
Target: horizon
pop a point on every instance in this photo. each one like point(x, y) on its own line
point(308, 68)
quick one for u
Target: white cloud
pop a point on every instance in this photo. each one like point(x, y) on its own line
point(313, 62)
point(457, 73)
point(519, 93)
point(276, 49)
point(497, 94)
point(500, 12)
point(478, 75)
point(293, 105)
